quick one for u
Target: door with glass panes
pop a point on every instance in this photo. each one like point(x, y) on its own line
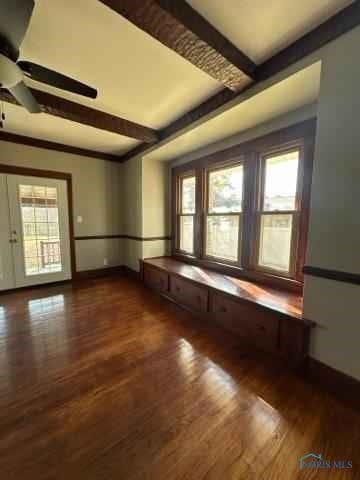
point(34, 231)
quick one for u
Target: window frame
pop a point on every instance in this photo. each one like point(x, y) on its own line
point(179, 211)
point(207, 171)
point(251, 155)
point(296, 213)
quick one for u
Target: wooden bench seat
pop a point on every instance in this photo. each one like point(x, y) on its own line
point(268, 318)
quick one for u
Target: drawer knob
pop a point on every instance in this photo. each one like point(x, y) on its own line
point(223, 309)
point(177, 289)
point(261, 328)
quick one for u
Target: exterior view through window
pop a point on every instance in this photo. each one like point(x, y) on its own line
point(278, 209)
point(245, 210)
point(187, 212)
point(40, 222)
point(223, 220)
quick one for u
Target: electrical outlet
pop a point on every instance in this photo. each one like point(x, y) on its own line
point(106, 262)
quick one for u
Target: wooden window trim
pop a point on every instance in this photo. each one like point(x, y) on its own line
point(300, 136)
point(296, 146)
point(206, 173)
point(179, 211)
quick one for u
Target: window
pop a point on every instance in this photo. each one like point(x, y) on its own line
point(278, 219)
point(40, 221)
point(223, 215)
point(248, 215)
point(186, 214)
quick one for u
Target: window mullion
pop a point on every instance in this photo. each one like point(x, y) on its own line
point(198, 224)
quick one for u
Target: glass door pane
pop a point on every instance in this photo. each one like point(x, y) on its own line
point(40, 227)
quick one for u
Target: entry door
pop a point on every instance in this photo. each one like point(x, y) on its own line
point(7, 279)
point(39, 230)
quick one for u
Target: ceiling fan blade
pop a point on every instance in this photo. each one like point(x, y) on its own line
point(55, 79)
point(24, 96)
point(14, 21)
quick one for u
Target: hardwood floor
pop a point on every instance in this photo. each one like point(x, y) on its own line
point(106, 380)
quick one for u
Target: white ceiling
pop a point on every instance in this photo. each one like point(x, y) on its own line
point(298, 90)
point(261, 28)
point(141, 80)
point(55, 129)
point(137, 77)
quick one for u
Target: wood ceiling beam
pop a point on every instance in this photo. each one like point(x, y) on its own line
point(182, 29)
point(68, 110)
point(58, 147)
point(330, 30)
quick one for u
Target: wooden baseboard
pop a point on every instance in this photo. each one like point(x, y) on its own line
point(36, 287)
point(100, 272)
point(344, 387)
point(85, 275)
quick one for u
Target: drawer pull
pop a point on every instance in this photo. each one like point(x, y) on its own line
point(178, 289)
point(223, 309)
point(261, 328)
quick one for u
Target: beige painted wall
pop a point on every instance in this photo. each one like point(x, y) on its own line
point(334, 237)
point(145, 194)
point(132, 196)
point(132, 215)
point(155, 204)
point(277, 123)
point(155, 198)
point(132, 252)
point(97, 187)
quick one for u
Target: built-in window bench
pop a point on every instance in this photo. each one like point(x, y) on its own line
point(268, 318)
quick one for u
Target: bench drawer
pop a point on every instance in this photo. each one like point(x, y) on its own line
point(261, 328)
point(189, 294)
point(156, 279)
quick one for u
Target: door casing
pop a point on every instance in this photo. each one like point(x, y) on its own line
point(32, 172)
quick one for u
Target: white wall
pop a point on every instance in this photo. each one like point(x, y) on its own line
point(334, 237)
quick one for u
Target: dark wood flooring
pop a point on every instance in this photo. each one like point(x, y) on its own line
point(106, 380)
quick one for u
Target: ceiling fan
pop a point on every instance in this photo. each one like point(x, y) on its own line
point(14, 21)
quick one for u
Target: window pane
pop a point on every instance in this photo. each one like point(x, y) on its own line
point(275, 241)
point(222, 238)
point(41, 235)
point(187, 234)
point(225, 190)
point(188, 195)
point(281, 174)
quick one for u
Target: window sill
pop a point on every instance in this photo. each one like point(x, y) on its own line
point(254, 275)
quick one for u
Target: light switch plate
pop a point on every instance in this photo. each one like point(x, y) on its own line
point(79, 219)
